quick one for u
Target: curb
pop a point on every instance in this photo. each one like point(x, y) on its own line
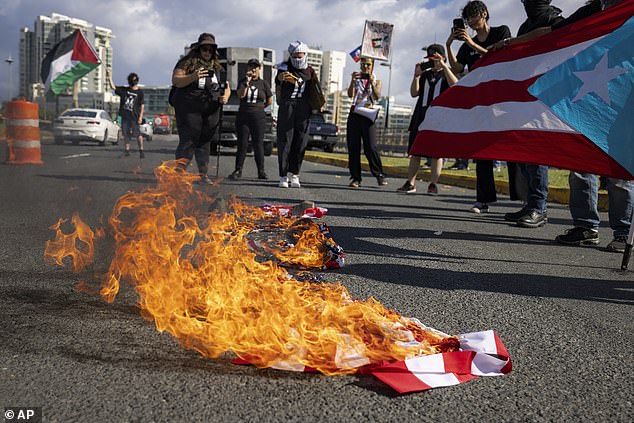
point(555, 194)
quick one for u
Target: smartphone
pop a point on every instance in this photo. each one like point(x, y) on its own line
point(458, 23)
point(426, 65)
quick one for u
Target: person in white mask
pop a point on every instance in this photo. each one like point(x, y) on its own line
point(293, 80)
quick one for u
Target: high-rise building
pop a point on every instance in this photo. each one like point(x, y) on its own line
point(331, 76)
point(48, 31)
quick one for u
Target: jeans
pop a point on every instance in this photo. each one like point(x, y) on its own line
point(584, 194)
point(537, 178)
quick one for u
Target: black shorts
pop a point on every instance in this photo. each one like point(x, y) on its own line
point(130, 129)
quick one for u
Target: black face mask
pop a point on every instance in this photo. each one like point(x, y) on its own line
point(536, 8)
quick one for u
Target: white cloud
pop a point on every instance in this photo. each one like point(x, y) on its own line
point(150, 34)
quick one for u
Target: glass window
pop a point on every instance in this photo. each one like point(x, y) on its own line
point(79, 113)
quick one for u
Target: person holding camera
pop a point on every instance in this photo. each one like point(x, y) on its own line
point(293, 82)
point(431, 78)
point(365, 90)
point(131, 108)
point(255, 94)
point(476, 15)
point(197, 101)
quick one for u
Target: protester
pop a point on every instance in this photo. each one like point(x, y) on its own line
point(365, 90)
point(436, 79)
point(584, 186)
point(533, 214)
point(255, 94)
point(476, 14)
point(131, 108)
point(293, 82)
point(197, 101)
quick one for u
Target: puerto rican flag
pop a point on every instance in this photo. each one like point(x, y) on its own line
point(564, 100)
point(356, 54)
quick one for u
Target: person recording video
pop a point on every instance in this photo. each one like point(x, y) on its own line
point(197, 101)
point(431, 78)
point(476, 15)
point(365, 90)
point(255, 94)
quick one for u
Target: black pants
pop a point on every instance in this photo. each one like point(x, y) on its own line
point(361, 128)
point(485, 183)
point(250, 124)
point(293, 118)
point(197, 125)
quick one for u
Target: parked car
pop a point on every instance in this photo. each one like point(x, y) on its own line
point(85, 125)
point(228, 134)
point(322, 134)
point(146, 130)
point(162, 124)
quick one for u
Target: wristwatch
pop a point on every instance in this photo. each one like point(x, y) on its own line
point(507, 41)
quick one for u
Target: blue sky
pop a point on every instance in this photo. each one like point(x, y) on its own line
point(151, 34)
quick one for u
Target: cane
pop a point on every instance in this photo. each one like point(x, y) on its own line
point(219, 139)
point(628, 245)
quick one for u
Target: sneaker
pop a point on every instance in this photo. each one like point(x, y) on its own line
point(432, 189)
point(295, 181)
point(141, 154)
point(126, 153)
point(354, 183)
point(204, 180)
point(532, 219)
point(514, 216)
point(407, 188)
point(235, 175)
point(262, 175)
point(579, 236)
point(284, 182)
point(617, 245)
point(479, 207)
point(380, 180)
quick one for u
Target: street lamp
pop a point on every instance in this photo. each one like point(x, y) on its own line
point(9, 60)
point(389, 83)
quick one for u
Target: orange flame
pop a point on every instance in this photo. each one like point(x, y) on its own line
point(197, 279)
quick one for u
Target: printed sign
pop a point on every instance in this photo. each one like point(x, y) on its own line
point(377, 39)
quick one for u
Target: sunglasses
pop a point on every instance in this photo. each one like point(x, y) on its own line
point(366, 64)
point(207, 49)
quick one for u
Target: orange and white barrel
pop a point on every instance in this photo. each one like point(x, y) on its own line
point(23, 133)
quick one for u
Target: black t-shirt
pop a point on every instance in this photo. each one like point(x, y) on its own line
point(130, 103)
point(430, 85)
point(468, 56)
point(549, 17)
point(581, 13)
point(296, 91)
point(208, 89)
point(258, 91)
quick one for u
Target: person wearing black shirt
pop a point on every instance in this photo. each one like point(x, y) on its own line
point(255, 94)
point(430, 80)
point(131, 108)
point(197, 100)
point(293, 82)
point(476, 15)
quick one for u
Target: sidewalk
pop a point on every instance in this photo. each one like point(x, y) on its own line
point(449, 177)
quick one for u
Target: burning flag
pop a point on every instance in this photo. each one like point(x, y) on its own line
point(198, 279)
point(68, 61)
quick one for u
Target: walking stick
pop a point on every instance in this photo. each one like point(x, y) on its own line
point(628, 245)
point(219, 140)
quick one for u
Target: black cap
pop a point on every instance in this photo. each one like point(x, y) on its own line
point(433, 49)
point(253, 62)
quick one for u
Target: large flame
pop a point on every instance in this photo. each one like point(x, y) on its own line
point(198, 279)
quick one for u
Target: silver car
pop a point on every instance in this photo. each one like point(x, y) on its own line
point(78, 125)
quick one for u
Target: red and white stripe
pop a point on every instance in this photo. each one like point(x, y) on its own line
point(489, 114)
point(481, 354)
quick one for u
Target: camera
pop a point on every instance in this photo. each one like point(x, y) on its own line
point(364, 75)
point(458, 23)
point(426, 65)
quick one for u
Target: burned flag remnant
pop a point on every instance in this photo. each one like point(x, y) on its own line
point(225, 297)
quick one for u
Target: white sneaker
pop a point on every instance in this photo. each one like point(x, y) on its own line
point(284, 182)
point(479, 208)
point(295, 181)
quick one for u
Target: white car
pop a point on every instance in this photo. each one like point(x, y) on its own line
point(85, 125)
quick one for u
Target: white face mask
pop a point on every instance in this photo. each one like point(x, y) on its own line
point(300, 62)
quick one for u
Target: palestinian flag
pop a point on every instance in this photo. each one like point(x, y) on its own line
point(68, 61)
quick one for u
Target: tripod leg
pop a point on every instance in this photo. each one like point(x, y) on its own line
point(628, 246)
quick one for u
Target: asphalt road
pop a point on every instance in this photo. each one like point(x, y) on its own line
point(565, 314)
